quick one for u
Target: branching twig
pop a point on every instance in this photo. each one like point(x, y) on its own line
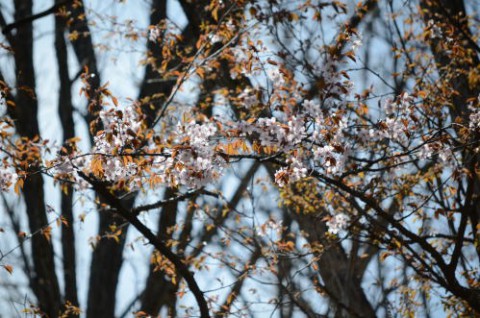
point(182, 269)
point(9, 27)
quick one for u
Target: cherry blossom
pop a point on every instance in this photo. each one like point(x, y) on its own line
point(8, 177)
point(275, 76)
point(474, 117)
point(295, 172)
point(154, 33)
point(249, 98)
point(337, 223)
point(194, 162)
point(3, 104)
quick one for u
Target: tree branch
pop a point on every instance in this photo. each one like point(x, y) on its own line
point(100, 188)
point(9, 27)
point(161, 203)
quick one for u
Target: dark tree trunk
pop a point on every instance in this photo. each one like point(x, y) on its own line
point(105, 266)
point(45, 283)
point(65, 110)
point(107, 257)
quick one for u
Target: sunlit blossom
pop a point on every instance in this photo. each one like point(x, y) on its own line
point(337, 223)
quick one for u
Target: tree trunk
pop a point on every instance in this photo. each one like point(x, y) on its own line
point(45, 283)
point(65, 111)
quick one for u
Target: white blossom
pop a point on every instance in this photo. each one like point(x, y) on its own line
point(154, 33)
point(435, 30)
point(196, 164)
point(8, 177)
point(3, 104)
point(474, 117)
point(249, 98)
point(357, 43)
point(119, 129)
point(215, 38)
point(273, 227)
point(446, 156)
point(311, 108)
point(299, 171)
point(337, 223)
point(282, 177)
point(272, 132)
point(275, 76)
point(426, 151)
point(295, 172)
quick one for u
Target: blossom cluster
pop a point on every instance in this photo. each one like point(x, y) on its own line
point(271, 132)
point(154, 33)
point(309, 134)
point(295, 172)
point(311, 138)
point(435, 30)
point(445, 154)
point(8, 178)
point(320, 135)
point(120, 128)
point(108, 158)
point(119, 134)
point(194, 162)
point(8, 175)
point(474, 117)
point(249, 98)
point(270, 227)
point(337, 223)
point(397, 125)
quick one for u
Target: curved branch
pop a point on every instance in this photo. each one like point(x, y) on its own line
point(153, 239)
point(9, 27)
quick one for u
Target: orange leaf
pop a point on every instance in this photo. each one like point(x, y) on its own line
point(114, 100)
point(422, 94)
point(384, 255)
point(47, 232)
point(8, 268)
point(18, 185)
point(215, 13)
